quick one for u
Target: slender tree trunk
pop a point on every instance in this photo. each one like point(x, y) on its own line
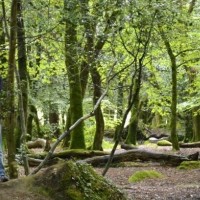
point(33, 115)
point(196, 126)
point(188, 127)
point(133, 125)
point(22, 68)
point(22, 59)
point(174, 137)
point(66, 140)
point(120, 97)
point(3, 71)
point(10, 94)
point(71, 58)
point(98, 138)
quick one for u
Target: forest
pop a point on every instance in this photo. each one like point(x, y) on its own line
point(81, 78)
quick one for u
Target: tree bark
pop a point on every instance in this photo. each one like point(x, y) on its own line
point(172, 57)
point(98, 138)
point(22, 70)
point(22, 58)
point(33, 115)
point(133, 125)
point(10, 93)
point(72, 65)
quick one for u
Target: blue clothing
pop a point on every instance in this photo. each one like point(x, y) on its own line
point(2, 171)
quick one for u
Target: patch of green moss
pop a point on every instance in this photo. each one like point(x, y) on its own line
point(164, 143)
point(146, 174)
point(74, 194)
point(187, 165)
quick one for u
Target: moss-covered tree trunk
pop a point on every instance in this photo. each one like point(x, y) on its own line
point(196, 126)
point(91, 54)
point(72, 65)
point(22, 69)
point(174, 138)
point(133, 125)
point(3, 71)
point(188, 127)
point(33, 116)
point(10, 124)
point(193, 134)
point(120, 98)
point(98, 138)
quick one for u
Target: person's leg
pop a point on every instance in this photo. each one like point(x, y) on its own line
point(3, 177)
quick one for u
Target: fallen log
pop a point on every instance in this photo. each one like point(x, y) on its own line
point(128, 146)
point(190, 145)
point(138, 154)
point(70, 153)
point(35, 162)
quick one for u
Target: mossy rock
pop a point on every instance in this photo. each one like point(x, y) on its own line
point(164, 143)
point(189, 165)
point(145, 174)
point(74, 181)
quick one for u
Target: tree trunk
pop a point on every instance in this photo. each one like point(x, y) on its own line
point(33, 116)
point(174, 137)
point(71, 58)
point(120, 97)
point(98, 138)
point(133, 125)
point(196, 126)
point(22, 59)
point(10, 91)
point(22, 70)
point(66, 140)
point(188, 127)
point(3, 70)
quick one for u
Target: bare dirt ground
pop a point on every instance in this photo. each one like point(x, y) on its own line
point(176, 184)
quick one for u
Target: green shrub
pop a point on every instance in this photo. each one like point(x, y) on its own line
point(146, 174)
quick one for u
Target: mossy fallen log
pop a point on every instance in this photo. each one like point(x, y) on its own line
point(77, 154)
point(138, 154)
point(128, 146)
point(190, 145)
point(71, 153)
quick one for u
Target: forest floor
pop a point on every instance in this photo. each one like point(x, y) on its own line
point(175, 185)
